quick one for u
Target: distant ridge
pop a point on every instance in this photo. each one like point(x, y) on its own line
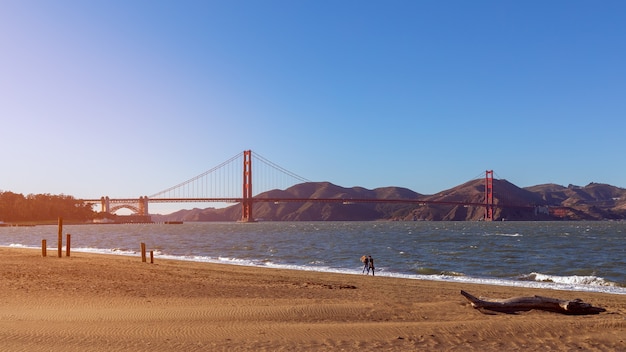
point(553, 202)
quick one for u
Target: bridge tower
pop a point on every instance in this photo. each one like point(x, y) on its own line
point(246, 204)
point(143, 206)
point(489, 195)
point(105, 205)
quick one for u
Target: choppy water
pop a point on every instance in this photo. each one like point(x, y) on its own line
point(588, 256)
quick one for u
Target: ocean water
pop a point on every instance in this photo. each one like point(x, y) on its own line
point(576, 256)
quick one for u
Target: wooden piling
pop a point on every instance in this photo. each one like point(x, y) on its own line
point(60, 239)
point(143, 252)
point(151, 257)
point(44, 248)
point(67, 244)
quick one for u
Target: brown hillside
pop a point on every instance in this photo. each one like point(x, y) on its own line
point(518, 201)
point(542, 202)
point(595, 201)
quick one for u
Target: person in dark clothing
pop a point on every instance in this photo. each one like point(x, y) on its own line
point(370, 261)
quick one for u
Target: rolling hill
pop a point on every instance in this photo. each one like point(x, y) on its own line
point(542, 202)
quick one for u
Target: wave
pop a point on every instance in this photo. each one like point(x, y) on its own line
point(569, 280)
point(432, 271)
point(503, 234)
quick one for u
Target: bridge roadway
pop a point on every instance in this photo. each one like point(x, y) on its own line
point(303, 200)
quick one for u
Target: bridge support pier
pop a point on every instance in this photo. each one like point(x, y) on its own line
point(105, 205)
point(143, 206)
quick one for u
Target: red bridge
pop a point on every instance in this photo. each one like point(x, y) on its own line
point(217, 186)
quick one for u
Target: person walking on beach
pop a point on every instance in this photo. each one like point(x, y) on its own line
point(366, 265)
point(370, 261)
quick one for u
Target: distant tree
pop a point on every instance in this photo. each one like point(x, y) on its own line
point(41, 207)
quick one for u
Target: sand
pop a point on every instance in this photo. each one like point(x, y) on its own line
point(93, 302)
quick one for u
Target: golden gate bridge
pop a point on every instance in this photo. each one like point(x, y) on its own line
point(232, 182)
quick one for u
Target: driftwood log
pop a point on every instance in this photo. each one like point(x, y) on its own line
point(518, 304)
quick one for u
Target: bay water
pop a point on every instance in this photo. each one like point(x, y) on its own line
point(576, 256)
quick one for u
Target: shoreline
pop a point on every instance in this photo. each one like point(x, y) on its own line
point(548, 284)
point(101, 302)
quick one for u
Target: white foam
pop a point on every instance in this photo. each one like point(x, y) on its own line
point(571, 280)
point(17, 245)
point(504, 234)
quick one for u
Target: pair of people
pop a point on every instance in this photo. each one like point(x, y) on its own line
point(368, 262)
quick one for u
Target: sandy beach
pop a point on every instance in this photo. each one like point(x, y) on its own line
point(91, 302)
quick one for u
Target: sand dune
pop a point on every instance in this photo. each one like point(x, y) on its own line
point(112, 303)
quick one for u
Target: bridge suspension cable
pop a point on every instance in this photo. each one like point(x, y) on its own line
point(268, 176)
point(280, 168)
point(183, 189)
point(224, 181)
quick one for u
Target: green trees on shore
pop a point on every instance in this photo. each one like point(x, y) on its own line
point(42, 207)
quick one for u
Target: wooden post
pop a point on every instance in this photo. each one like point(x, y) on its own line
point(60, 242)
point(143, 252)
point(151, 257)
point(44, 249)
point(67, 244)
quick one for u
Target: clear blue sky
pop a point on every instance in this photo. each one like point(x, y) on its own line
point(127, 98)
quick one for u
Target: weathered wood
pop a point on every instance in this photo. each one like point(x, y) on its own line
point(143, 252)
point(60, 238)
point(518, 304)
